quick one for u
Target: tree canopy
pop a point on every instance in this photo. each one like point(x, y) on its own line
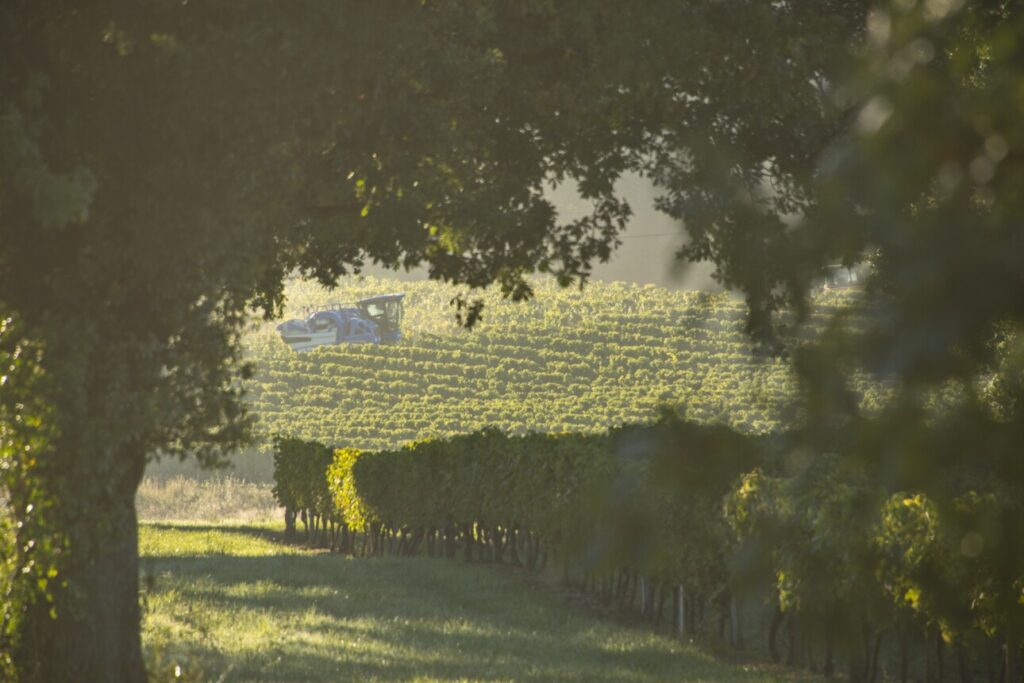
point(164, 165)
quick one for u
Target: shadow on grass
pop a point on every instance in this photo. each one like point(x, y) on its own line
point(263, 533)
point(324, 617)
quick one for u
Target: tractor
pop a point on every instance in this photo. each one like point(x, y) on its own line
point(374, 320)
point(840, 277)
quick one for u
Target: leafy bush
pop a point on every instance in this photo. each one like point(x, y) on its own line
point(300, 482)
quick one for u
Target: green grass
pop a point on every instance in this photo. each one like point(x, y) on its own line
point(232, 603)
point(220, 498)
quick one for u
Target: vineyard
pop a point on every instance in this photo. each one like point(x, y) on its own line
point(695, 528)
point(544, 439)
point(568, 361)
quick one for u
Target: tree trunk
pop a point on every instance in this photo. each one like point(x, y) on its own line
point(1011, 662)
point(773, 632)
point(96, 633)
point(467, 550)
point(829, 669)
point(735, 625)
point(940, 651)
point(680, 611)
point(531, 552)
point(289, 523)
point(450, 541)
point(621, 584)
point(403, 543)
point(514, 547)
point(696, 613)
point(873, 673)
point(962, 664)
point(793, 631)
point(904, 653)
point(860, 657)
point(625, 581)
point(662, 597)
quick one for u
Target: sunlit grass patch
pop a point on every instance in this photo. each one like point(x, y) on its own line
point(234, 602)
point(198, 540)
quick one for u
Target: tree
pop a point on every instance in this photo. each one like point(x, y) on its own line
point(165, 165)
point(163, 168)
point(922, 182)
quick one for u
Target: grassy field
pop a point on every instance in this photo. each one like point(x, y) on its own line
point(219, 498)
point(233, 603)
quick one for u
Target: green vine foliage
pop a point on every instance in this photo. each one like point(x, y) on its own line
point(30, 544)
point(300, 478)
point(819, 540)
point(566, 361)
point(586, 498)
point(347, 502)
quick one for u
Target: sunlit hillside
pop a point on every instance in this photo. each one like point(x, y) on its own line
point(568, 360)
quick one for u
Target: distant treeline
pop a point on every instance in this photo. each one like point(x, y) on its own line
point(698, 528)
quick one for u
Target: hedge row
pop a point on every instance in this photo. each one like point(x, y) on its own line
point(702, 527)
point(634, 515)
point(568, 491)
point(481, 488)
point(300, 487)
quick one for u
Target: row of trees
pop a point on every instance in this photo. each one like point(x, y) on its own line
point(706, 529)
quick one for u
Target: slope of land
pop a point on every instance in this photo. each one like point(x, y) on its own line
point(570, 360)
point(232, 603)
